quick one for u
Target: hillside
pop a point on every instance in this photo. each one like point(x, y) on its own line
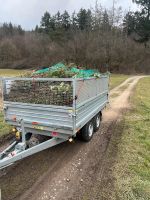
point(94, 38)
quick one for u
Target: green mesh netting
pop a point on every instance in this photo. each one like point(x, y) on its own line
point(73, 71)
point(56, 67)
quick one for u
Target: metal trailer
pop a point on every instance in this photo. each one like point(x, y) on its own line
point(58, 123)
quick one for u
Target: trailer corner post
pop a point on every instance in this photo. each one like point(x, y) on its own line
point(74, 106)
point(23, 131)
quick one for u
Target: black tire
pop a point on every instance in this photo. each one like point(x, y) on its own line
point(97, 121)
point(87, 131)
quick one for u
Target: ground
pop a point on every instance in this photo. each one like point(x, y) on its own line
point(132, 145)
point(117, 79)
point(78, 171)
point(97, 170)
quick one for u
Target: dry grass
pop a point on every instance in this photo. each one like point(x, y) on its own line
point(127, 166)
point(132, 168)
point(4, 128)
point(11, 72)
point(117, 79)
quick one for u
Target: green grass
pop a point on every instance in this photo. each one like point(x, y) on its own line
point(132, 169)
point(117, 79)
point(4, 128)
point(11, 72)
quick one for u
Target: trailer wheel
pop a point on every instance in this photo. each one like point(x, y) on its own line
point(87, 131)
point(97, 121)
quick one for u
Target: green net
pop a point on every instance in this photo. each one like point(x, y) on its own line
point(56, 67)
point(62, 71)
point(83, 73)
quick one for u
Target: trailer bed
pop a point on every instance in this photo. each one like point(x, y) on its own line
point(89, 97)
point(70, 106)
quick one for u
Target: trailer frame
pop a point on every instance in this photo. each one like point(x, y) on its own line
point(67, 121)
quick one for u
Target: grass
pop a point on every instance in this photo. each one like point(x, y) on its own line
point(11, 72)
point(121, 89)
point(127, 167)
point(132, 168)
point(117, 79)
point(4, 128)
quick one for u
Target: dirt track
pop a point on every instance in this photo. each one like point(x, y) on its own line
point(72, 171)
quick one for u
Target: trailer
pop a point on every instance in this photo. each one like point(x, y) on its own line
point(63, 115)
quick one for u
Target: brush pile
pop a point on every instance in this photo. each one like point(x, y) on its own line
point(41, 92)
point(47, 92)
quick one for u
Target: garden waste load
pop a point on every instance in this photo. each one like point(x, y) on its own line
point(48, 92)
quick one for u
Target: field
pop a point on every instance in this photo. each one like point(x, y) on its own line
point(117, 79)
point(11, 72)
point(4, 128)
point(134, 149)
point(130, 149)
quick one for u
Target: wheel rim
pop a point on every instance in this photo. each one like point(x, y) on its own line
point(97, 121)
point(90, 130)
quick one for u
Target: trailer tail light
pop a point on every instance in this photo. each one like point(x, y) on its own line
point(54, 134)
point(14, 118)
point(35, 123)
point(71, 140)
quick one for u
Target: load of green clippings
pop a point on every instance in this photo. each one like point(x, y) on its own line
point(63, 71)
point(45, 91)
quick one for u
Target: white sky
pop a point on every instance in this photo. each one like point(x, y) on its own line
point(28, 13)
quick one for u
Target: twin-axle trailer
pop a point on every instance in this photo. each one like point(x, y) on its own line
point(42, 119)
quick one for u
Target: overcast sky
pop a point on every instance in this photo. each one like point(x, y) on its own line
point(28, 13)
